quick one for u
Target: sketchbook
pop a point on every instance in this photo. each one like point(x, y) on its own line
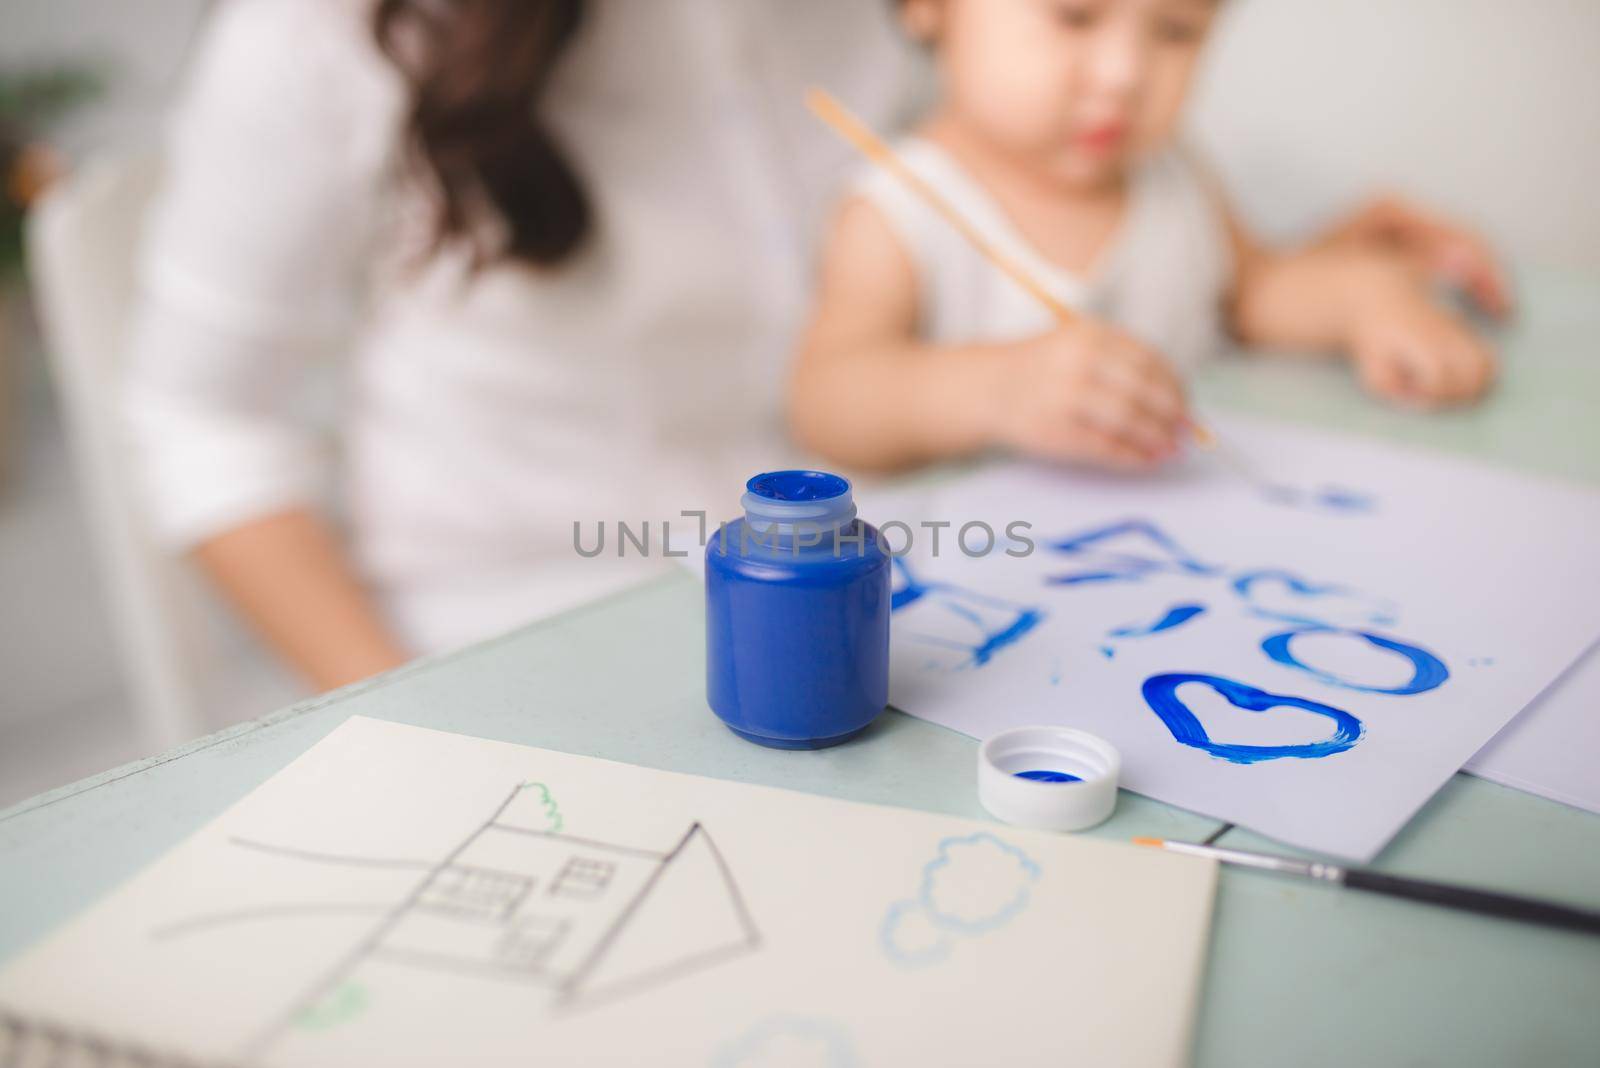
point(1307, 635)
point(405, 896)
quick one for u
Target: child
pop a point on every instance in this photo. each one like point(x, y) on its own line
point(1055, 133)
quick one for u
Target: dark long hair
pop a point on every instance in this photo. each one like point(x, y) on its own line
point(477, 70)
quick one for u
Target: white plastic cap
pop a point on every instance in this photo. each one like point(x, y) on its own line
point(1049, 778)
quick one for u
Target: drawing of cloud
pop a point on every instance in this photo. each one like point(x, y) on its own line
point(789, 1042)
point(911, 937)
point(976, 883)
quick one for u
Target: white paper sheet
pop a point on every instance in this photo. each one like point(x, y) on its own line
point(403, 896)
point(1388, 610)
point(1553, 748)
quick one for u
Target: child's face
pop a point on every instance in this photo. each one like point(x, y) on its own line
point(1073, 88)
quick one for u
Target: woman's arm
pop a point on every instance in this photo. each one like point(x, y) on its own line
point(868, 393)
point(287, 574)
point(249, 276)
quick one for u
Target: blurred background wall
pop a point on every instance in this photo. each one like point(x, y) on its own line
point(62, 706)
point(1491, 108)
point(140, 45)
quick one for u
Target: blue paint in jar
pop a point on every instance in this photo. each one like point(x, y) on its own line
point(797, 614)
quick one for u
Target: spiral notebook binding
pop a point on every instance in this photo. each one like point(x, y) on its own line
point(34, 1043)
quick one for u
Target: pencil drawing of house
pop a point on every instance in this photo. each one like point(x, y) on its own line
point(585, 919)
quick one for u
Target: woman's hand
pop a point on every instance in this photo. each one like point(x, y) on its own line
point(1438, 248)
point(1406, 348)
point(1089, 392)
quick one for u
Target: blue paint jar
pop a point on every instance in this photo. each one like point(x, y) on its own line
point(797, 614)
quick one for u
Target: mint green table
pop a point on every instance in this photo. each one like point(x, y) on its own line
point(1299, 974)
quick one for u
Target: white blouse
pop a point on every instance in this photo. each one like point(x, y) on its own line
point(477, 417)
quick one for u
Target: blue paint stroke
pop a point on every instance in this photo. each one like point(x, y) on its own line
point(905, 597)
point(1082, 578)
point(1046, 775)
point(1340, 499)
point(1107, 652)
point(1023, 620)
point(911, 592)
point(1176, 616)
point(1123, 566)
point(1427, 671)
point(1288, 617)
point(965, 613)
point(994, 641)
point(1245, 583)
point(1079, 542)
point(817, 1040)
point(980, 654)
point(1006, 871)
point(1328, 498)
point(1161, 694)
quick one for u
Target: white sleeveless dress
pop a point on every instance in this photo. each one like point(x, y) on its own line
point(1163, 276)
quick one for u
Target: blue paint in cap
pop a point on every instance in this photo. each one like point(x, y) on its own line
point(1048, 775)
point(797, 614)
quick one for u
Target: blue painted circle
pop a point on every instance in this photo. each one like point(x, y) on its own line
point(798, 486)
point(1427, 671)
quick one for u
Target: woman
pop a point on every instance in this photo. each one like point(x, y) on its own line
point(557, 251)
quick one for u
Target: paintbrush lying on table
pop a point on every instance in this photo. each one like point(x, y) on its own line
point(1487, 902)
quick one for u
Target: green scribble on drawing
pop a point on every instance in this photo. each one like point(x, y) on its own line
point(341, 1005)
point(552, 811)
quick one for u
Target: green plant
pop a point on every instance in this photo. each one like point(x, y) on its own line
point(29, 103)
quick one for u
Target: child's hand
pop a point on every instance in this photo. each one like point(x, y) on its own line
point(1439, 248)
point(1090, 392)
point(1406, 348)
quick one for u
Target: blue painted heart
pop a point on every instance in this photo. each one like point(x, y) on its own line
point(1161, 694)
